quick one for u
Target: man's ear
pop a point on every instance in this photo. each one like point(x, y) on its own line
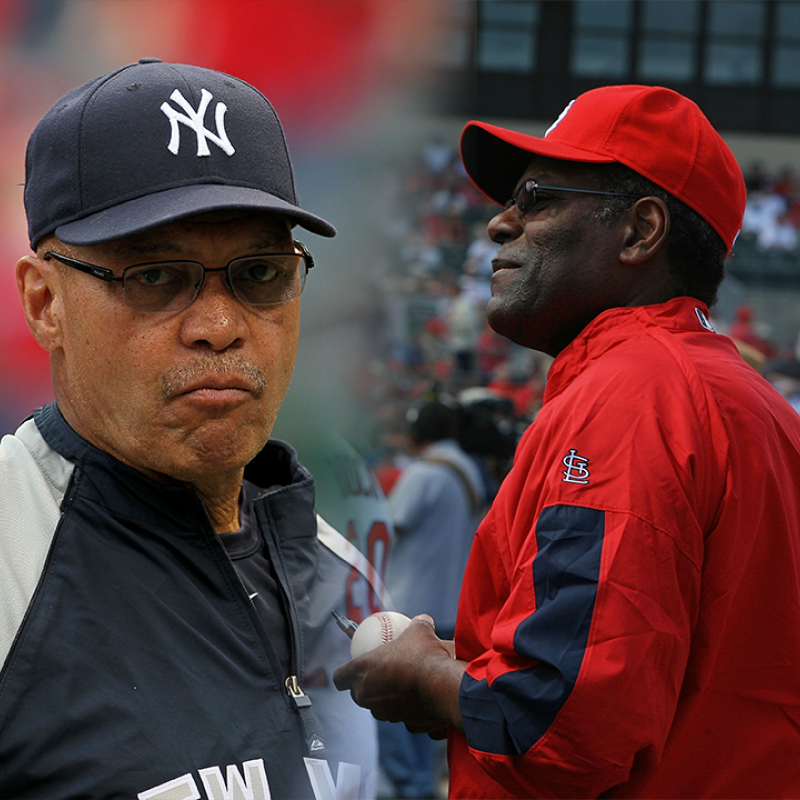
point(38, 283)
point(648, 228)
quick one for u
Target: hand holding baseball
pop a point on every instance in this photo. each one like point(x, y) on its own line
point(377, 629)
point(412, 678)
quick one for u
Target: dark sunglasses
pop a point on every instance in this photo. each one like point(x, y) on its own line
point(525, 198)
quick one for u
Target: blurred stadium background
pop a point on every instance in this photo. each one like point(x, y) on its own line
point(373, 95)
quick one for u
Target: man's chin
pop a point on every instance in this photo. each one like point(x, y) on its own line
point(217, 447)
point(497, 317)
point(508, 324)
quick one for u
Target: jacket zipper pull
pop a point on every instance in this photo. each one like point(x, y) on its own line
point(302, 703)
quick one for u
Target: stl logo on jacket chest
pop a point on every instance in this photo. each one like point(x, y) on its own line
point(577, 468)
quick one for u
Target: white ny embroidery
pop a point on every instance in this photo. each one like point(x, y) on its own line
point(194, 120)
point(252, 783)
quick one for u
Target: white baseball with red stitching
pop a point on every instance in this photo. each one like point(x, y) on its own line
point(377, 629)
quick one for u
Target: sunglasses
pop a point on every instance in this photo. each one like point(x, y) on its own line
point(525, 199)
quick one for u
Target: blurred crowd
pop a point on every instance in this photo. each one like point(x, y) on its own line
point(772, 215)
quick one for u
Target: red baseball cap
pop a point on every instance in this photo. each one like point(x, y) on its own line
point(657, 132)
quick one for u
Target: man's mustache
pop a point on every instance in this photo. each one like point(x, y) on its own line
point(180, 379)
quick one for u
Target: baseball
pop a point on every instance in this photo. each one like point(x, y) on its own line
point(377, 629)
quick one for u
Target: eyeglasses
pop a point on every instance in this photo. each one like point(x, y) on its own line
point(260, 280)
point(525, 198)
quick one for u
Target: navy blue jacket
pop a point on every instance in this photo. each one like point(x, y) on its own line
point(134, 663)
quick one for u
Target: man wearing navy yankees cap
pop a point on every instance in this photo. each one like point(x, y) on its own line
point(167, 587)
point(629, 620)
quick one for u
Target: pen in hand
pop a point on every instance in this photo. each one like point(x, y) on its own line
point(347, 625)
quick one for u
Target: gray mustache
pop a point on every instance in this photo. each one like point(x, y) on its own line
point(178, 379)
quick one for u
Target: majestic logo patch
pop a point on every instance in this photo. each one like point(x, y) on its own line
point(560, 117)
point(194, 120)
point(704, 321)
point(577, 468)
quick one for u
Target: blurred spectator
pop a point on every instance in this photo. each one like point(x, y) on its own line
point(744, 330)
point(492, 350)
point(762, 211)
point(481, 251)
point(525, 391)
point(478, 287)
point(464, 326)
point(435, 505)
point(443, 212)
point(433, 340)
point(421, 254)
point(388, 469)
point(755, 178)
point(755, 358)
point(784, 375)
point(779, 233)
point(489, 429)
point(437, 154)
point(786, 183)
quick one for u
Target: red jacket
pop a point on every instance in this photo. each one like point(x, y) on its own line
point(631, 607)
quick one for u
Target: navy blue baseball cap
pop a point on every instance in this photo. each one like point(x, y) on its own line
point(152, 143)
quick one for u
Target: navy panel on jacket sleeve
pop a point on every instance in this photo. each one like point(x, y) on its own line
point(514, 713)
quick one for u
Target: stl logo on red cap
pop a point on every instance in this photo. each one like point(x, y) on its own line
point(560, 117)
point(194, 120)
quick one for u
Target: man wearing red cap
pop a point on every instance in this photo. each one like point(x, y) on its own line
point(629, 624)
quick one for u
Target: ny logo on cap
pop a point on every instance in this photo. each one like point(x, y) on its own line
point(194, 120)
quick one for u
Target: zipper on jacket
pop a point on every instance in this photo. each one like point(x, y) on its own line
point(302, 703)
point(300, 700)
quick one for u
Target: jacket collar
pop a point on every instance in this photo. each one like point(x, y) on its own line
point(616, 326)
point(124, 491)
